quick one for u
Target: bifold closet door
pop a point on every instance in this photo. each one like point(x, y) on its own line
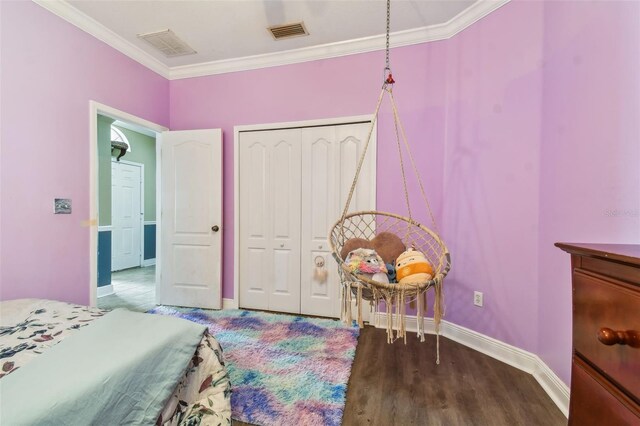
point(270, 191)
point(319, 289)
point(330, 156)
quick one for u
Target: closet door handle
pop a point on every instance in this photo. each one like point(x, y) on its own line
point(215, 228)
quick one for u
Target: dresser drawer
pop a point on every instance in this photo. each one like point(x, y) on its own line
point(605, 303)
point(595, 402)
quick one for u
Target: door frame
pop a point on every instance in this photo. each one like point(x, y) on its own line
point(336, 121)
point(141, 166)
point(96, 108)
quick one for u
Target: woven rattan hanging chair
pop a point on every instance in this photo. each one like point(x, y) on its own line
point(368, 224)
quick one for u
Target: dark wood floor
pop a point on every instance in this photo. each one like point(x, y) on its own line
point(401, 385)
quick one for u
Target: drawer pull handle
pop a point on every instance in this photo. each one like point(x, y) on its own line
point(610, 337)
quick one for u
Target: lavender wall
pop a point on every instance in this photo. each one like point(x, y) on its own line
point(492, 173)
point(50, 71)
point(590, 150)
point(321, 89)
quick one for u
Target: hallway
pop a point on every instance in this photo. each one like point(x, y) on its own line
point(134, 289)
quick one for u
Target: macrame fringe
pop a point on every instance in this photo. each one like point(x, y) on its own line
point(420, 317)
point(359, 303)
point(438, 313)
point(396, 301)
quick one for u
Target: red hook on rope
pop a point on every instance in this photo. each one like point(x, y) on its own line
point(388, 77)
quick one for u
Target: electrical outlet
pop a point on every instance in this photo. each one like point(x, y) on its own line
point(478, 298)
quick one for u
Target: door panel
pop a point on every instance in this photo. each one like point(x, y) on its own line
point(285, 187)
point(126, 215)
point(351, 139)
point(270, 219)
point(330, 158)
point(255, 244)
point(191, 203)
point(319, 295)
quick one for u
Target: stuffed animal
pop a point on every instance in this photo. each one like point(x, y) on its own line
point(391, 273)
point(353, 244)
point(412, 267)
point(387, 245)
point(367, 262)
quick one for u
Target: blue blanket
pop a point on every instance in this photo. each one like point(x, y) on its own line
point(121, 369)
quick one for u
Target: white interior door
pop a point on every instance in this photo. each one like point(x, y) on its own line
point(191, 221)
point(330, 156)
point(319, 293)
point(255, 244)
point(270, 220)
point(126, 215)
point(351, 140)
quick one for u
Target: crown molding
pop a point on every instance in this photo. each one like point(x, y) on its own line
point(458, 23)
point(89, 25)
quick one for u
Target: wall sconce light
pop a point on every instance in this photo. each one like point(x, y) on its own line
point(119, 145)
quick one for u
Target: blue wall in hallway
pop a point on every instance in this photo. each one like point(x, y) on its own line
point(149, 241)
point(104, 252)
point(104, 258)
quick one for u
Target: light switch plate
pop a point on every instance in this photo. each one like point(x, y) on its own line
point(62, 206)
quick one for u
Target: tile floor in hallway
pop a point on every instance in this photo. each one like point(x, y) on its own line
point(134, 289)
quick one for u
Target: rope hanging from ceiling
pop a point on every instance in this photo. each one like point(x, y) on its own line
point(425, 263)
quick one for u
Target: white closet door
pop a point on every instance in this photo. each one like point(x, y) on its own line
point(255, 214)
point(351, 140)
point(126, 215)
point(293, 185)
point(270, 220)
point(330, 158)
point(320, 295)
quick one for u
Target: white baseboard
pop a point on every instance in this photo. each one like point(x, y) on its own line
point(528, 362)
point(553, 385)
point(105, 290)
point(229, 303)
point(148, 262)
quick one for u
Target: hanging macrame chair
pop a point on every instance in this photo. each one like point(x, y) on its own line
point(368, 224)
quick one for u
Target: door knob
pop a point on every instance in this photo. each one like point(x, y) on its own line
point(215, 228)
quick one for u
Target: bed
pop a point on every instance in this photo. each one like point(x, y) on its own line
point(71, 364)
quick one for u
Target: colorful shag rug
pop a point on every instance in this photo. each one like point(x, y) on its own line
point(284, 369)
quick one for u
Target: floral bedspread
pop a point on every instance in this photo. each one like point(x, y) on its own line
point(28, 327)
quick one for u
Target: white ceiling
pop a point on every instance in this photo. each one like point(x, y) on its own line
point(223, 30)
point(232, 36)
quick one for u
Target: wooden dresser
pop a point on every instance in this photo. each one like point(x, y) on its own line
point(605, 373)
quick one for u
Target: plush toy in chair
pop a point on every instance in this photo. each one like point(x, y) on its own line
point(412, 267)
point(366, 262)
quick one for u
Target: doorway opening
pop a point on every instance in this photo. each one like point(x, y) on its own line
point(124, 199)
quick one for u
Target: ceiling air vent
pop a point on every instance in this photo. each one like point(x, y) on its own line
point(287, 31)
point(168, 43)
